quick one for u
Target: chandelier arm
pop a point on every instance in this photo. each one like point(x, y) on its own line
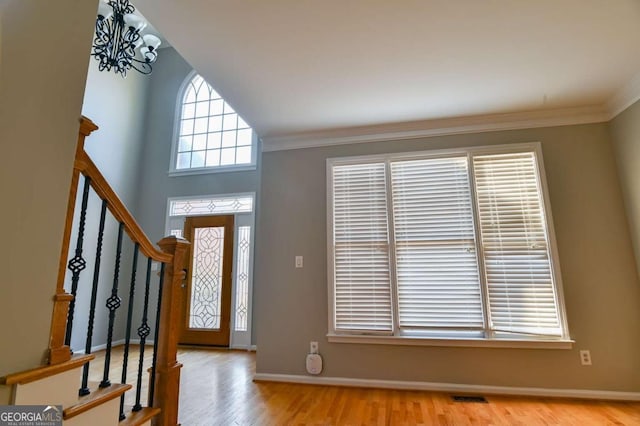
point(101, 43)
point(142, 67)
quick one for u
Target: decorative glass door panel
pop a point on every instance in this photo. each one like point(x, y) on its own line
point(208, 249)
point(207, 299)
point(242, 278)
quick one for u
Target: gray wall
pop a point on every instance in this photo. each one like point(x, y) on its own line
point(598, 270)
point(117, 106)
point(155, 183)
point(43, 68)
point(625, 135)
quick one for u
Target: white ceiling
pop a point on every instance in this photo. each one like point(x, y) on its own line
point(297, 69)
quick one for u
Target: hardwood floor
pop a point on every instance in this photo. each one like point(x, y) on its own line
point(217, 388)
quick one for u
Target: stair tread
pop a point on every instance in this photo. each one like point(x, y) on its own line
point(139, 417)
point(96, 397)
point(45, 371)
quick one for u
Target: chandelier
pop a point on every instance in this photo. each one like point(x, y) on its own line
point(119, 44)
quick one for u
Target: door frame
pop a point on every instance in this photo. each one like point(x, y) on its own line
point(240, 339)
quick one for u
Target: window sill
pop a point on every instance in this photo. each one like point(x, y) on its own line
point(207, 170)
point(452, 342)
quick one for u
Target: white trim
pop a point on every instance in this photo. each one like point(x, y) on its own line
point(450, 387)
point(434, 153)
point(480, 255)
point(214, 169)
point(251, 194)
point(173, 171)
point(452, 342)
point(216, 196)
point(330, 246)
point(248, 348)
point(625, 97)
point(176, 120)
point(552, 243)
point(438, 127)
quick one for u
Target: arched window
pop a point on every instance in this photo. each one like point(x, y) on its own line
point(210, 134)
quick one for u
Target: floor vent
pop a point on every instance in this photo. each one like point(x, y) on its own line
point(468, 398)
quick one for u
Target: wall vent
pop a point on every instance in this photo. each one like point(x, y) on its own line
point(469, 398)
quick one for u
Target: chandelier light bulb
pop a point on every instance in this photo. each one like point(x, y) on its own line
point(152, 41)
point(135, 22)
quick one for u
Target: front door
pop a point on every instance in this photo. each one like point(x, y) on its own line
point(207, 302)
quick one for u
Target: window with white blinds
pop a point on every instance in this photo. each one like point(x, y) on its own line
point(361, 248)
point(437, 269)
point(443, 244)
point(515, 248)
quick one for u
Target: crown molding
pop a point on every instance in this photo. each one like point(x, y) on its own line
point(439, 127)
point(620, 101)
point(625, 97)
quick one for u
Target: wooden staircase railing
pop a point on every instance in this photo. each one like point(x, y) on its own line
point(165, 379)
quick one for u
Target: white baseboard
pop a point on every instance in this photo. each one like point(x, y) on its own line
point(450, 387)
point(114, 344)
point(249, 348)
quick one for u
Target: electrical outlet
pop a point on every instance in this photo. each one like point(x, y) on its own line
point(585, 357)
point(299, 261)
point(313, 347)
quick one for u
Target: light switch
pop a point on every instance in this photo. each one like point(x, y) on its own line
point(298, 261)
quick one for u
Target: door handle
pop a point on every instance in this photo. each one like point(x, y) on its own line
point(185, 272)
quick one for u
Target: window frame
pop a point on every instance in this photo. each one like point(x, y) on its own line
point(173, 171)
point(400, 337)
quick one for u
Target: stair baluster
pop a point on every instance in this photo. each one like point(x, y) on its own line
point(143, 332)
point(112, 304)
point(77, 264)
point(127, 338)
point(84, 389)
point(152, 384)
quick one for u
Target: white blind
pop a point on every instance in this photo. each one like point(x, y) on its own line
point(514, 241)
point(361, 248)
point(437, 269)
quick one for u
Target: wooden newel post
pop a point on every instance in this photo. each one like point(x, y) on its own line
point(58, 351)
point(167, 366)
